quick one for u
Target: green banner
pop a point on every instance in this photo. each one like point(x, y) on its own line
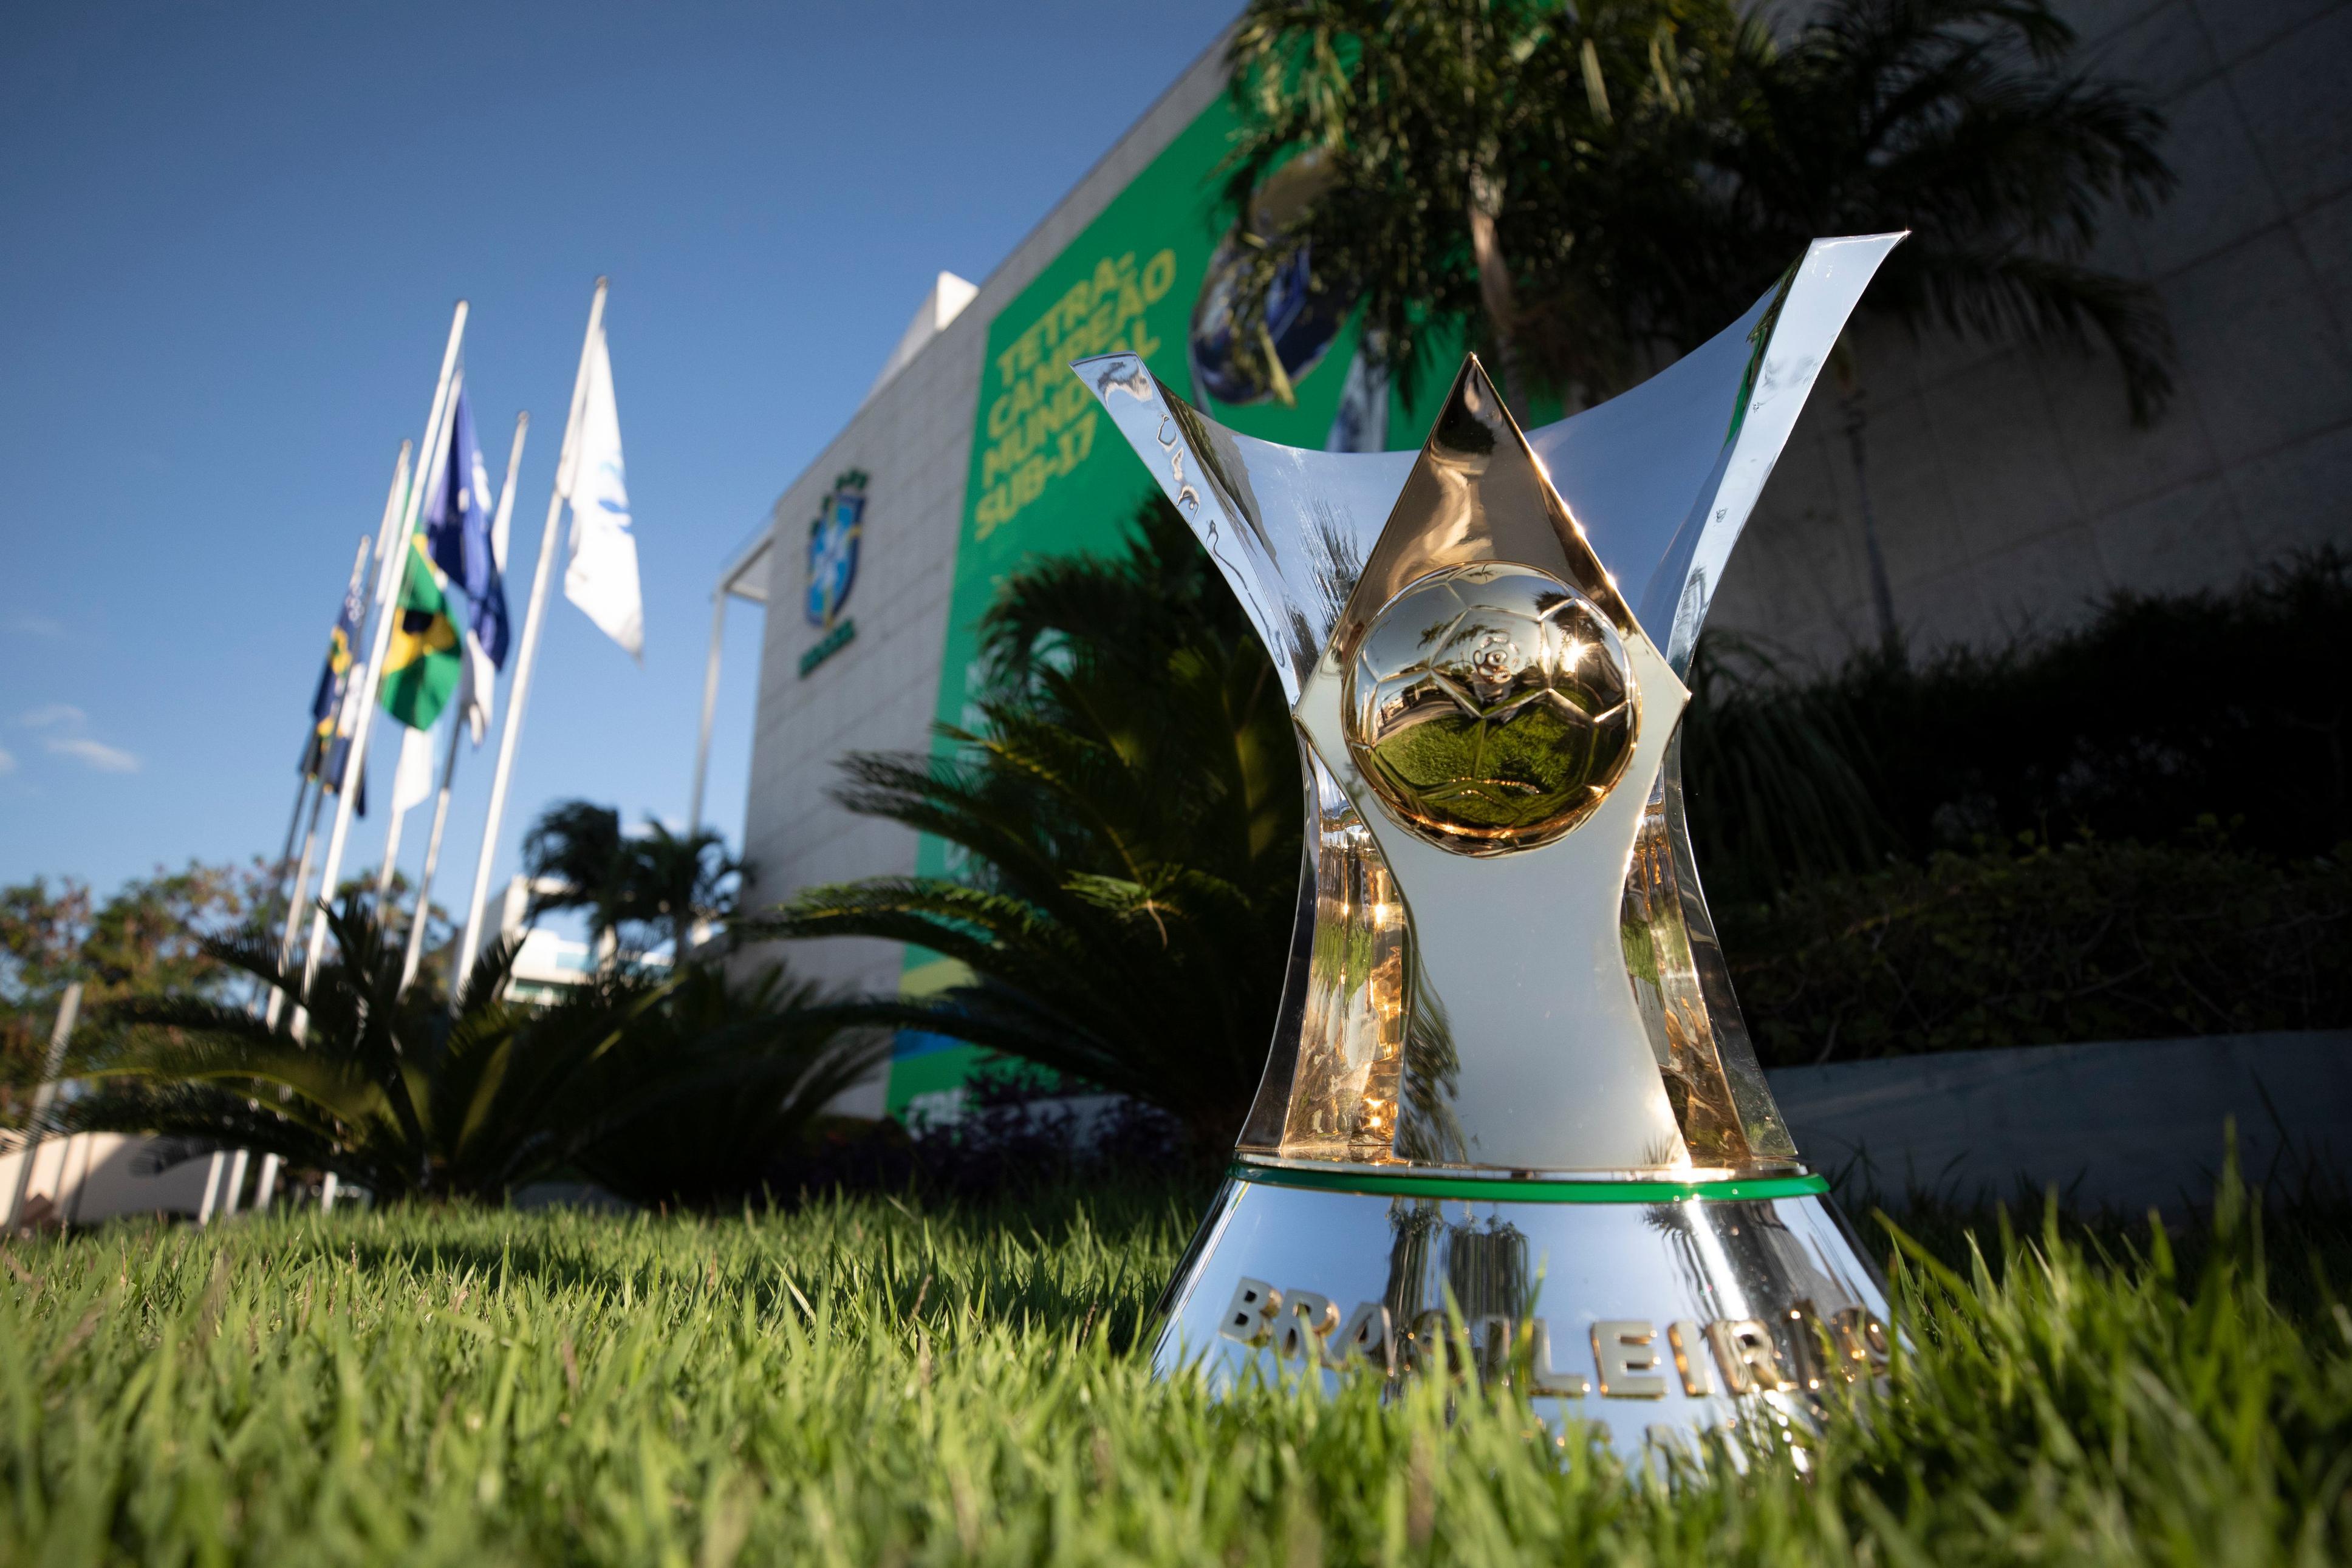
point(1050, 475)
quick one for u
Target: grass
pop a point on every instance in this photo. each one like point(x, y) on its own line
point(869, 1381)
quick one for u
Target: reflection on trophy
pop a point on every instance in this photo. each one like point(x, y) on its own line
point(1511, 1114)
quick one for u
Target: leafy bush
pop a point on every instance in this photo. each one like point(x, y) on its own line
point(651, 1084)
point(2086, 941)
point(2158, 712)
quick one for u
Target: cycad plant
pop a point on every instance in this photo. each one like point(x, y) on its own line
point(1127, 811)
point(392, 1092)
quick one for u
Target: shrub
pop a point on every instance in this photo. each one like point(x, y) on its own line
point(2041, 945)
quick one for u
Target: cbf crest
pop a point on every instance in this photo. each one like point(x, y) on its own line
point(833, 548)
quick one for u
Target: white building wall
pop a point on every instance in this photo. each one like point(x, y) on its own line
point(880, 693)
point(2010, 488)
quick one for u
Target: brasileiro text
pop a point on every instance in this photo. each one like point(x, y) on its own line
point(1040, 423)
point(1631, 1358)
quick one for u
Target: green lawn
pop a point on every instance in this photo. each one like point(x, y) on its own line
point(869, 1382)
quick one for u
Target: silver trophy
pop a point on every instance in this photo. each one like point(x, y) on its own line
point(1511, 1113)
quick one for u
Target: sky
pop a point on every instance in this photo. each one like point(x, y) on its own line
point(231, 238)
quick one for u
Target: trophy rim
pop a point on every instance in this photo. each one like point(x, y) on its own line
point(1527, 1185)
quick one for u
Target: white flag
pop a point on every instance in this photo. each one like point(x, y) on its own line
point(412, 784)
point(603, 577)
point(477, 688)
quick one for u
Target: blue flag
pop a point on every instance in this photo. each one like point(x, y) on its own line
point(326, 701)
point(459, 523)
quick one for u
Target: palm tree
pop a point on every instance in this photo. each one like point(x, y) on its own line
point(1127, 813)
point(752, 1070)
point(576, 858)
point(1437, 124)
point(393, 1095)
point(677, 881)
point(632, 887)
point(1964, 122)
point(1621, 178)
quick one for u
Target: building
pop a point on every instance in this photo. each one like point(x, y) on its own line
point(2011, 490)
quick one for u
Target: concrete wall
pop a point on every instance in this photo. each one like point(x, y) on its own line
point(2129, 1125)
point(914, 440)
point(2010, 488)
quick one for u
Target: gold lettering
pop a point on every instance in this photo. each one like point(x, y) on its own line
point(1690, 1357)
point(1252, 1308)
point(1623, 1350)
point(1744, 1350)
point(1545, 1375)
point(1365, 1337)
point(1158, 275)
point(1306, 1319)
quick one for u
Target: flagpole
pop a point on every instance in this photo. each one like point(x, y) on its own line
point(433, 469)
point(710, 706)
point(519, 691)
point(283, 865)
point(297, 905)
point(386, 608)
point(415, 955)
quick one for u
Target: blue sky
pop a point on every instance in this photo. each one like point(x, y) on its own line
point(234, 234)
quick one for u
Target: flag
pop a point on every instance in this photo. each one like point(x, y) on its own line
point(422, 665)
point(459, 525)
point(338, 750)
point(411, 781)
point(326, 702)
point(603, 576)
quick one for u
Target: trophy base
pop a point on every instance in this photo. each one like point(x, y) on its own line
point(1656, 1309)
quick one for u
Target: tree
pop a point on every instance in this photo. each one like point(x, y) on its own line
point(632, 887)
point(145, 940)
point(1621, 179)
point(1440, 128)
point(388, 1091)
point(677, 881)
point(1965, 121)
point(1128, 816)
point(575, 848)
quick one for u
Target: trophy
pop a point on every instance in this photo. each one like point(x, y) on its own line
point(1511, 1115)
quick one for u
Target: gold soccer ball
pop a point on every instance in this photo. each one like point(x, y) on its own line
point(1491, 707)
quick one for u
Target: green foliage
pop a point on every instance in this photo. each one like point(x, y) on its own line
point(1773, 775)
point(2133, 727)
point(1968, 123)
point(1599, 181)
point(146, 940)
point(2086, 941)
point(1127, 814)
point(864, 1381)
point(644, 888)
point(1439, 129)
point(390, 1092)
point(2159, 710)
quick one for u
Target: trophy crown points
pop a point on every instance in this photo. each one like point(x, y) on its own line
point(1512, 971)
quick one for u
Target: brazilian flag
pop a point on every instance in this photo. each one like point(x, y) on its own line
point(420, 673)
